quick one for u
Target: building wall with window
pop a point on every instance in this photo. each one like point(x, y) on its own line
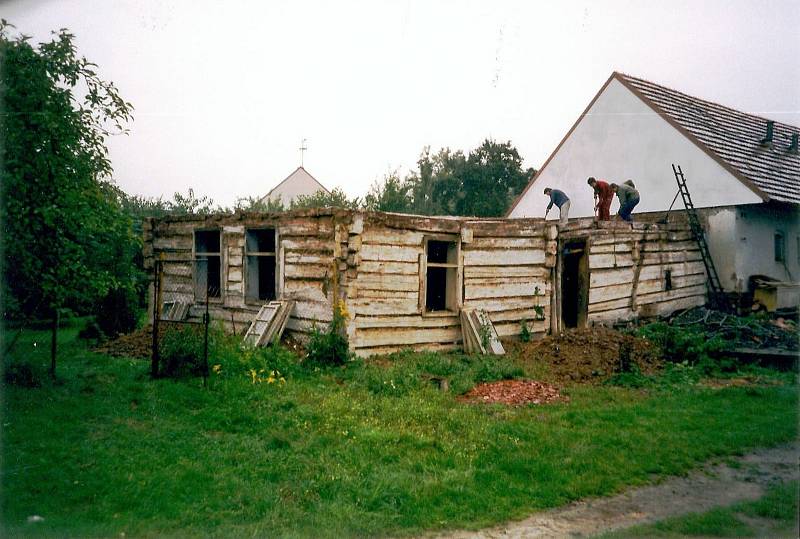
point(404, 279)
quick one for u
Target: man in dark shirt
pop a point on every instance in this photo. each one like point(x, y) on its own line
point(628, 198)
point(560, 199)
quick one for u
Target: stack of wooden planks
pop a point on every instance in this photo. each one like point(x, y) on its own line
point(269, 323)
point(479, 333)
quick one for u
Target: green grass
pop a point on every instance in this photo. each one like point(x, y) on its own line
point(776, 513)
point(361, 450)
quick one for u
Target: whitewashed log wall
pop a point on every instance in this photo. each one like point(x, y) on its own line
point(371, 261)
point(628, 265)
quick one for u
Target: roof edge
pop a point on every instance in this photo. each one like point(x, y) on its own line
point(289, 176)
point(564, 139)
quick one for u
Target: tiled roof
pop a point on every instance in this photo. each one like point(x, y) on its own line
point(732, 136)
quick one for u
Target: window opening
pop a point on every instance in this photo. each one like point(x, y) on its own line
point(780, 247)
point(207, 260)
point(261, 259)
point(441, 277)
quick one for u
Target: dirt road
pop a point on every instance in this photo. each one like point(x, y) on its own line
point(712, 486)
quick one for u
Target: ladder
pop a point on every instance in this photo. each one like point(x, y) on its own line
point(717, 297)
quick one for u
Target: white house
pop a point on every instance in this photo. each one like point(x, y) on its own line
point(742, 171)
point(298, 183)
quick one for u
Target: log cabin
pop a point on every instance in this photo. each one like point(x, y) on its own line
point(403, 279)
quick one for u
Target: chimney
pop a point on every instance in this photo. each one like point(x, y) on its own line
point(793, 146)
point(767, 141)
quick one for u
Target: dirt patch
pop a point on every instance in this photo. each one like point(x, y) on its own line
point(712, 486)
point(514, 392)
point(137, 344)
point(590, 355)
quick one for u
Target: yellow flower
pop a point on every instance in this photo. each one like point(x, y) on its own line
point(342, 309)
point(217, 368)
point(253, 375)
point(271, 380)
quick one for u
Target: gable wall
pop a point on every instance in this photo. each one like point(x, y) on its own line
point(621, 138)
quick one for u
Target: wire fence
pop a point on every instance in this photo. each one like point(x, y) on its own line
point(181, 296)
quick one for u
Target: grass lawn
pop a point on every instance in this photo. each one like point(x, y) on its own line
point(773, 515)
point(359, 450)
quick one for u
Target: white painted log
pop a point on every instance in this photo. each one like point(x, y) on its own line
point(510, 258)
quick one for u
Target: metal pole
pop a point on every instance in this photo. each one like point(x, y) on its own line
point(205, 343)
point(54, 344)
point(155, 354)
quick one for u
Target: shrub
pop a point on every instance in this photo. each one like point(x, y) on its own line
point(182, 351)
point(524, 332)
point(330, 347)
point(118, 312)
point(22, 375)
point(685, 343)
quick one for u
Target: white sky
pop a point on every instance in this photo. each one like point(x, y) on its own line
point(225, 91)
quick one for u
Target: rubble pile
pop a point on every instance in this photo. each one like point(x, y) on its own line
point(514, 392)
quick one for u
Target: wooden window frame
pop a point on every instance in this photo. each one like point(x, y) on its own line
point(423, 274)
point(246, 260)
point(779, 239)
point(195, 259)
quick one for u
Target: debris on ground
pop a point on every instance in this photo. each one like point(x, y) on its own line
point(514, 392)
point(587, 354)
point(136, 344)
point(751, 331)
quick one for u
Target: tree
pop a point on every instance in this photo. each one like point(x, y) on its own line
point(392, 194)
point(66, 240)
point(321, 199)
point(493, 176)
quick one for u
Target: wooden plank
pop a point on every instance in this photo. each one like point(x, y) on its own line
point(403, 337)
point(495, 243)
point(390, 281)
point(603, 261)
point(408, 321)
point(391, 236)
point(504, 304)
point(389, 253)
point(305, 271)
point(501, 290)
point(605, 277)
point(405, 268)
point(475, 272)
point(308, 243)
point(697, 290)
point(389, 306)
point(365, 352)
point(505, 258)
point(368, 293)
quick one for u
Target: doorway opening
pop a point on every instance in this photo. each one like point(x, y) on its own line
point(575, 284)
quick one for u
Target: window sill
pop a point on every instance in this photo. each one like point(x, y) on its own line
point(438, 314)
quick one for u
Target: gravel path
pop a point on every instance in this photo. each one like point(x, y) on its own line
point(710, 487)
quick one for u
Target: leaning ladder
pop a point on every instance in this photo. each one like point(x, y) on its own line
point(717, 298)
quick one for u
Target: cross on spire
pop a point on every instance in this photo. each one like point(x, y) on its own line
point(302, 149)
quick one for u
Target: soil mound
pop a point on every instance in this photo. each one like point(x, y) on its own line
point(587, 355)
point(515, 392)
point(136, 344)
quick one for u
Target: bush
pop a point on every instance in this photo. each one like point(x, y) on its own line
point(679, 344)
point(118, 312)
point(524, 332)
point(182, 351)
point(330, 347)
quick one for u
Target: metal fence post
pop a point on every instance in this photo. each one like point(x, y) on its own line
point(157, 288)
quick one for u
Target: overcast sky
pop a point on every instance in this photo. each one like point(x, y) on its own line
point(225, 91)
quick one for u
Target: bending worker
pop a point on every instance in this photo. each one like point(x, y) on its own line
point(560, 199)
point(628, 198)
point(603, 195)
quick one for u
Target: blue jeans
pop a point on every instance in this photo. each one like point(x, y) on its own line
point(626, 209)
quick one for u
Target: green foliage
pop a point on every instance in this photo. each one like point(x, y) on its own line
point(65, 238)
point(258, 205)
point(337, 198)
point(118, 312)
point(182, 349)
point(329, 347)
point(686, 343)
point(524, 332)
point(392, 195)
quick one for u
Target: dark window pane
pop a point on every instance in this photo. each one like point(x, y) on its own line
point(437, 251)
point(436, 291)
point(206, 241)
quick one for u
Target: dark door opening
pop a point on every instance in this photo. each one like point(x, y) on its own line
point(574, 284)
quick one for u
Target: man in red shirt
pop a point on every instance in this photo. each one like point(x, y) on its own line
point(603, 195)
